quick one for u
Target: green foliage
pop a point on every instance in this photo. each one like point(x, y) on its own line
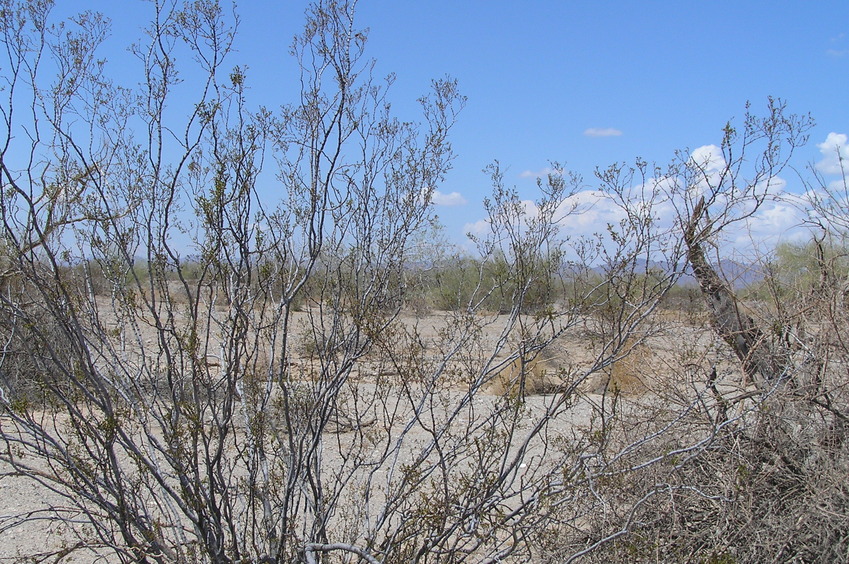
point(800, 269)
point(35, 369)
point(464, 282)
point(807, 265)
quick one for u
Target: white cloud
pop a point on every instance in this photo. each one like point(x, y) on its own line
point(582, 214)
point(537, 174)
point(772, 185)
point(477, 228)
point(711, 162)
point(709, 158)
point(833, 149)
point(587, 212)
point(778, 218)
point(773, 222)
point(452, 199)
point(602, 132)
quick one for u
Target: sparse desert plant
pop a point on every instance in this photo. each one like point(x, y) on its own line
point(778, 436)
point(259, 396)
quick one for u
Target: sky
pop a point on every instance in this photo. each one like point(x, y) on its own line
point(587, 84)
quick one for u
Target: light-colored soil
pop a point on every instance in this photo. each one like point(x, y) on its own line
point(27, 530)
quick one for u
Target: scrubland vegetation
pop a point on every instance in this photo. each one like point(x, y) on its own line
point(195, 370)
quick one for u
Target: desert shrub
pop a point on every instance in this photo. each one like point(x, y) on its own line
point(766, 489)
point(191, 414)
point(35, 358)
point(451, 286)
point(799, 268)
point(464, 281)
point(685, 304)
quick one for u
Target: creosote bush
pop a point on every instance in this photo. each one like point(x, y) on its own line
point(195, 369)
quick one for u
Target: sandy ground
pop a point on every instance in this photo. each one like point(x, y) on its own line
point(27, 532)
point(27, 503)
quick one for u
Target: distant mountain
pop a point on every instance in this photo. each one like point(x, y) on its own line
point(737, 274)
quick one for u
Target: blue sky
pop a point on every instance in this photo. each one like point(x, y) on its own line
point(540, 76)
point(647, 77)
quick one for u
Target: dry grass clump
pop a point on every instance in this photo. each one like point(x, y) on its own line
point(631, 373)
point(541, 374)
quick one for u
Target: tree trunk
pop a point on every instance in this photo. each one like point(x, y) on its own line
point(760, 362)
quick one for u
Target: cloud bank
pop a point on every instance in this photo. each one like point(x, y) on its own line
point(779, 217)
